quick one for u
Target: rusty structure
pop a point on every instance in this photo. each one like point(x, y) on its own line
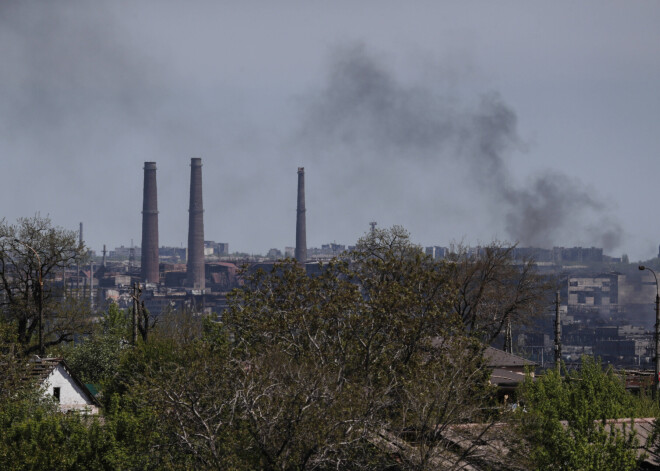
point(301, 234)
point(195, 277)
point(149, 271)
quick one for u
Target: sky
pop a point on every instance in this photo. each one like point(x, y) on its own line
point(535, 123)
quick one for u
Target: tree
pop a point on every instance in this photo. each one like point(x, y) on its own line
point(96, 357)
point(565, 420)
point(35, 435)
point(363, 363)
point(13, 367)
point(191, 390)
point(175, 397)
point(30, 250)
point(493, 292)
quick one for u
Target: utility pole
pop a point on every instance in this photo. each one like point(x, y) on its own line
point(508, 339)
point(42, 350)
point(136, 301)
point(657, 344)
point(656, 379)
point(91, 286)
point(557, 332)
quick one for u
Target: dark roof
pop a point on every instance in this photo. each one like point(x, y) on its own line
point(41, 368)
point(506, 378)
point(223, 264)
point(501, 359)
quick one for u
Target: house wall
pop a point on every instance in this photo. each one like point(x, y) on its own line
point(71, 395)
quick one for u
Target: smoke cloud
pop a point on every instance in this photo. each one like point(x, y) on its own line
point(91, 91)
point(365, 110)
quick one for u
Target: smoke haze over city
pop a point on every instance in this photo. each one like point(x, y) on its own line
point(535, 124)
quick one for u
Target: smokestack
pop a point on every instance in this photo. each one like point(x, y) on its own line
point(80, 235)
point(195, 276)
point(149, 271)
point(301, 235)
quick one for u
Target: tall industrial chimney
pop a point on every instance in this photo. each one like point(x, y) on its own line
point(195, 276)
point(301, 235)
point(150, 225)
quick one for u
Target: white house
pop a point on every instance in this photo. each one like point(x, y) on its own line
point(59, 382)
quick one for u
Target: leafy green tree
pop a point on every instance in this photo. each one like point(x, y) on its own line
point(176, 401)
point(96, 358)
point(13, 365)
point(36, 436)
point(565, 419)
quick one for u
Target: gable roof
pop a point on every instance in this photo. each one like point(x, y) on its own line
point(43, 367)
point(494, 357)
point(500, 359)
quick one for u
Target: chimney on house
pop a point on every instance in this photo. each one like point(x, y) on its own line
point(301, 235)
point(149, 271)
point(195, 276)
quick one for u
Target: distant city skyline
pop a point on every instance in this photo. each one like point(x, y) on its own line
point(463, 122)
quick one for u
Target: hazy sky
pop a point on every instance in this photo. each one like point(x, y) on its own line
point(466, 121)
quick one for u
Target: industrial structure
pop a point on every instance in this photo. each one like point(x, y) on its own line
point(602, 307)
point(149, 266)
point(195, 265)
point(301, 234)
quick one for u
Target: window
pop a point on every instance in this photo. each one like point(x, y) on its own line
point(56, 394)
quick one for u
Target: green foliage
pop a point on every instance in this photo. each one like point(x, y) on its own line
point(368, 364)
point(13, 366)
point(96, 358)
point(116, 322)
point(331, 370)
point(175, 400)
point(565, 419)
point(357, 351)
point(36, 436)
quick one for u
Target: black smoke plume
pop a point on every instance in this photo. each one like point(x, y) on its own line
point(365, 111)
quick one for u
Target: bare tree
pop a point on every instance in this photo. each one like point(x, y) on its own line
point(493, 291)
point(191, 392)
point(142, 319)
point(32, 250)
